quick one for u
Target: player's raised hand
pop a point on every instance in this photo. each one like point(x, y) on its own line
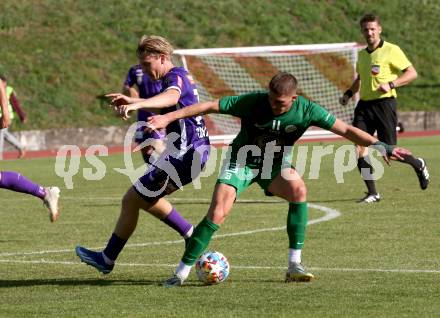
point(157, 122)
point(121, 104)
point(124, 110)
point(118, 99)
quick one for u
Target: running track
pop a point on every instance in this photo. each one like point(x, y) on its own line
point(119, 149)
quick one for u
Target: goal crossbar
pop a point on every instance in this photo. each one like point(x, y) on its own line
point(265, 49)
point(323, 71)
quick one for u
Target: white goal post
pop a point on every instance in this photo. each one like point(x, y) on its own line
point(324, 72)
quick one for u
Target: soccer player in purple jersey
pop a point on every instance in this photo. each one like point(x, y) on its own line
point(146, 88)
point(14, 181)
point(186, 152)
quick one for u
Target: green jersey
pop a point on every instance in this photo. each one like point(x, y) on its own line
point(260, 126)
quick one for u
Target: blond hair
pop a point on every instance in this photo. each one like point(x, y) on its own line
point(154, 45)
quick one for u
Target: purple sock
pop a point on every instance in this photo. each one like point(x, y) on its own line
point(16, 182)
point(177, 222)
point(114, 247)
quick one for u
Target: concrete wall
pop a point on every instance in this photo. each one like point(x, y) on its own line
point(81, 137)
point(416, 121)
point(114, 136)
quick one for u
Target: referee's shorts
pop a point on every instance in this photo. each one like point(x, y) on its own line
point(378, 115)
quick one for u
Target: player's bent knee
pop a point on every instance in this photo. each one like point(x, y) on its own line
point(301, 194)
point(297, 194)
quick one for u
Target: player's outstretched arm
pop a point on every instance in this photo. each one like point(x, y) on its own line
point(352, 133)
point(362, 138)
point(121, 99)
point(124, 105)
point(161, 121)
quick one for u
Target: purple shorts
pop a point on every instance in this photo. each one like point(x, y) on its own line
point(168, 173)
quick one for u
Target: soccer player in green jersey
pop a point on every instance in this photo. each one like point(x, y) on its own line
point(269, 122)
point(381, 68)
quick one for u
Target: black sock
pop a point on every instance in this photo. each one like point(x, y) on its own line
point(366, 171)
point(414, 162)
point(114, 247)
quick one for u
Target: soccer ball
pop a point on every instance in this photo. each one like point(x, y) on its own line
point(212, 267)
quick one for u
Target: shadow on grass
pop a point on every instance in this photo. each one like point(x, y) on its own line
point(195, 202)
point(117, 205)
point(11, 283)
point(75, 282)
point(354, 200)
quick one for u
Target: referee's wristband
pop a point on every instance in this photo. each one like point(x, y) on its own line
point(349, 93)
point(392, 86)
point(379, 145)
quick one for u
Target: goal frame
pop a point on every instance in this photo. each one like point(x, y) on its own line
point(304, 49)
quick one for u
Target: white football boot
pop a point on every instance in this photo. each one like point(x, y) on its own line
point(51, 202)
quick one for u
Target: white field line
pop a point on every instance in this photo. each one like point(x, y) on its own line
point(329, 215)
point(323, 269)
point(118, 198)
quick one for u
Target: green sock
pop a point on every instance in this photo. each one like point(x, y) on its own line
point(296, 224)
point(199, 241)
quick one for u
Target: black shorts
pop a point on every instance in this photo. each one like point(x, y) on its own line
point(378, 115)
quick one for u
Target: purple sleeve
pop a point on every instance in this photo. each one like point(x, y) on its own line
point(131, 77)
point(179, 79)
point(173, 80)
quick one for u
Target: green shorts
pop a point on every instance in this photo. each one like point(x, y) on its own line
point(242, 176)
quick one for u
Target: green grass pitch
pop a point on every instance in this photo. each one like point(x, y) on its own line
point(380, 260)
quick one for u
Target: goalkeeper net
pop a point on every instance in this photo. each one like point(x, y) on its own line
point(324, 72)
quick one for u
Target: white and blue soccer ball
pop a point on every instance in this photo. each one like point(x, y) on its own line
point(212, 267)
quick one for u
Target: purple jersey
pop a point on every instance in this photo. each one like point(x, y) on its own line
point(192, 130)
point(147, 88)
point(179, 166)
